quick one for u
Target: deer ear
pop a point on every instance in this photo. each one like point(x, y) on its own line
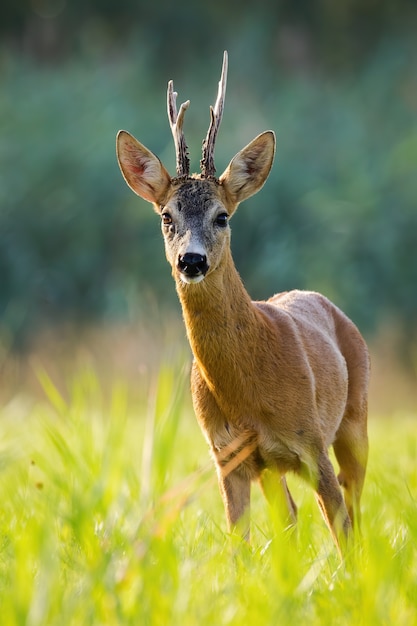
point(249, 169)
point(141, 169)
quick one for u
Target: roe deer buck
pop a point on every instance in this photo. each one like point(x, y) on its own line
point(274, 383)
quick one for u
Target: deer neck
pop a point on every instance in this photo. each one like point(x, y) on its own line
point(221, 323)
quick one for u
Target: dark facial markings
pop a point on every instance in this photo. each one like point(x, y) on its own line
point(194, 200)
point(194, 197)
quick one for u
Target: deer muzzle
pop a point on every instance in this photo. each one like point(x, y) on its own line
point(192, 266)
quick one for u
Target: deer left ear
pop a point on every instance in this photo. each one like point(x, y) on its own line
point(249, 169)
point(141, 169)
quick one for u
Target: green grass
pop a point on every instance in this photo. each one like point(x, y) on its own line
point(110, 514)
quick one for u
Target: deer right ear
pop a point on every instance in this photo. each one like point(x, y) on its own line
point(249, 169)
point(141, 169)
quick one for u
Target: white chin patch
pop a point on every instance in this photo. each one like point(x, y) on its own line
point(191, 280)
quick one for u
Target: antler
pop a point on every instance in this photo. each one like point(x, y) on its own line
point(176, 122)
point(216, 114)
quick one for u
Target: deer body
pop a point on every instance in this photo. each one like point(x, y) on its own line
point(273, 383)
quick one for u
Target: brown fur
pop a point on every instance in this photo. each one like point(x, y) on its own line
point(274, 383)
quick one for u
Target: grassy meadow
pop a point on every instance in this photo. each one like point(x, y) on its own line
point(110, 514)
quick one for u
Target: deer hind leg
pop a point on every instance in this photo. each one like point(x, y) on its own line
point(278, 496)
point(330, 500)
point(351, 450)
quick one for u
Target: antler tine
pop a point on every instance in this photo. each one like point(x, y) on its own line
point(216, 114)
point(176, 121)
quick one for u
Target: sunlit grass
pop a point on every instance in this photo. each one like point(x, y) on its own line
point(110, 514)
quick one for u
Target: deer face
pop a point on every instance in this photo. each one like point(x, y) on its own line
point(195, 226)
point(195, 211)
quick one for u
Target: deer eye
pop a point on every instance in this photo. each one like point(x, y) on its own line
point(166, 218)
point(221, 220)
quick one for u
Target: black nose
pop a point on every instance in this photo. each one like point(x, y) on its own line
point(192, 264)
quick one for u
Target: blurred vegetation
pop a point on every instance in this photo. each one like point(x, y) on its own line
point(107, 518)
point(336, 81)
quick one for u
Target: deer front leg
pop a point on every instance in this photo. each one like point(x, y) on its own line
point(235, 490)
point(276, 491)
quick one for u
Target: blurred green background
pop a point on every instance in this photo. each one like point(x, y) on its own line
point(336, 81)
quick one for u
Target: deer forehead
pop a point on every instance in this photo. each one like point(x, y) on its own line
point(195, 200)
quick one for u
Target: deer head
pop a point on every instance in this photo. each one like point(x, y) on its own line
point(195, 209)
